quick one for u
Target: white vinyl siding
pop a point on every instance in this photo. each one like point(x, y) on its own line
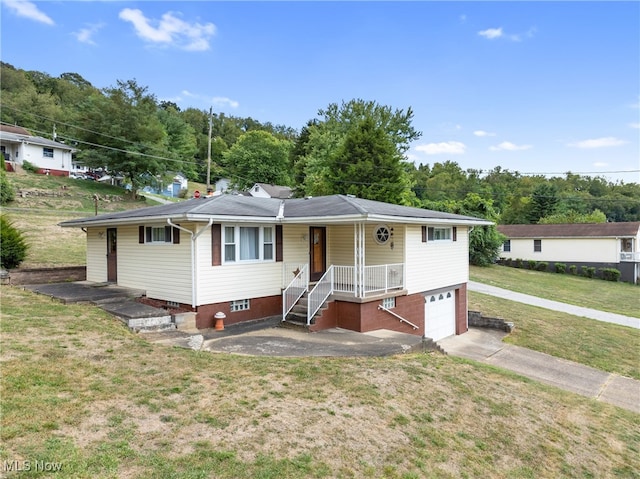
point(595, 250)
point(234, 281)
point(435, 264)
point(340, 246)
point(163, 271)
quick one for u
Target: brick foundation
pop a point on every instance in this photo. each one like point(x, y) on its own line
point(259, 308)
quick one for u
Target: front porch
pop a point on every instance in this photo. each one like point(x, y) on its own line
point(347, 283)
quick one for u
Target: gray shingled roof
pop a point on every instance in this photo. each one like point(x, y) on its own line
point(570, 230)
point(19, 134)
point(230, 207)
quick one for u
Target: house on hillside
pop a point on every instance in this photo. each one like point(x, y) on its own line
point(332, 261)
point(600, 245)
point(264, 190)
point(50, 157)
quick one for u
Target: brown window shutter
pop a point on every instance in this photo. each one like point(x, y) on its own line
point(176, 235)
point(278, 242)
point(454, 234)
point(216, 245)
point(424, 234)
point(141, 234)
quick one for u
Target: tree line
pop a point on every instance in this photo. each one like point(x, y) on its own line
point(353, 147)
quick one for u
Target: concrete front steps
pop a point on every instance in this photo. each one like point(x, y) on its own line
point(297, 317)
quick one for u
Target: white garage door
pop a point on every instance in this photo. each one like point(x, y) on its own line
point(440, 315)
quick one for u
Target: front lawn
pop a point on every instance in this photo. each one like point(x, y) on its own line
point(621, 298)
point(81, 390)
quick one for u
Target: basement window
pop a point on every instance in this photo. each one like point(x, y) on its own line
point(389, 303)
point(239, 305)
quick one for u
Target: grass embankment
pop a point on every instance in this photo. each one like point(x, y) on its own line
point(604, 346)
point(48, 200)
point(79, 389)
point(620, 298)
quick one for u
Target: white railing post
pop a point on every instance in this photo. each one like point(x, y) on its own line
point(294, 291)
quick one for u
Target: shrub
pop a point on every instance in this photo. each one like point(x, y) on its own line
point(573, 269)
point(542, 266)
point(7, 191)
point(610, 274)
point(588, 271)
point(518, 263)
point(14, 246)
point(531, 264)
point(27, 166)
point(507, 262)
point(561, 268)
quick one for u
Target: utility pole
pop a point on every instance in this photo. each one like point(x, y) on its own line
point(209, 189)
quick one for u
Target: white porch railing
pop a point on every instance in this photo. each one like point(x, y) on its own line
point(294, 291)
point(631, 256)
point(383, 278)
point(319, 294)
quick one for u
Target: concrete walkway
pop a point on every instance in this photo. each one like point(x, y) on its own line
point(555, 305)
point(486, 346)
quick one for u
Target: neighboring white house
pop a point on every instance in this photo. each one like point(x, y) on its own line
point(264, 190)
point(50, 157)
point(359, 264)
point(601, 245)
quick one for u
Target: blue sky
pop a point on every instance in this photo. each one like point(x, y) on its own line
point(535, 87)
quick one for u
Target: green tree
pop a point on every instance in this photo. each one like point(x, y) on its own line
point(574, 217)
point(14, 247)
point(327, 135)
point(368, 165)
point(258, 157)
point(484, 241)
point(180, 141)
point(124, 122)
point(544, 201)
point(7, 191)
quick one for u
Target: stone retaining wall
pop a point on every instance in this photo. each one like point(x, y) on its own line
point(477, 320)
point(45, 275)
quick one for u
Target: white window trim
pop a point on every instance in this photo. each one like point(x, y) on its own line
point(443, 228)
point(46, 150)
point(163, 242)
point(236, 243)
point(239, 305)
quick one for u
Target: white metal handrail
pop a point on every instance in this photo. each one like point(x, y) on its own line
point(294, 291)
point(319, 294)
point(402, 320)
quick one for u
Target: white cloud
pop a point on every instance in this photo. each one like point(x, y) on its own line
point(598, 143)
point(508, 146)
point(85, 35)
point(491, 33)
point(170, 30)
point(27, 9)
point(446, 147)
point(222, 101)
point(483, 133)
point(634, 125)
point(600, 164)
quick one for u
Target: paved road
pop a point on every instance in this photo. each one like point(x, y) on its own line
point(555, 305)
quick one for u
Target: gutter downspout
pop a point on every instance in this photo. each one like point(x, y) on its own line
point(194, 275)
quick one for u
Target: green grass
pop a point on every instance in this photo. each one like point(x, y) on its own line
point(601, 345)
point(620, 298)
point(81, 390)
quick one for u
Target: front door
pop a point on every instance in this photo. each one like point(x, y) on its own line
point(112, 259)
point(318, 248)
